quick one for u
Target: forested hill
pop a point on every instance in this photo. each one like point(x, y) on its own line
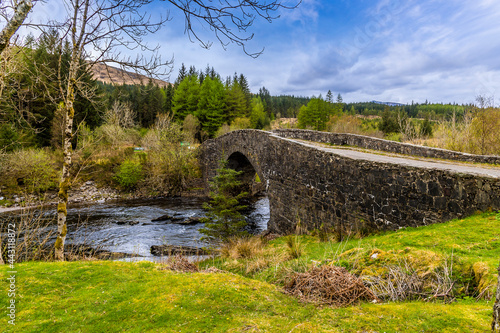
point(117, 76)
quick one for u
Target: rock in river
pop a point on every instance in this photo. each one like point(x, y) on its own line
point(166, 250)
point(165, 217)
point(190, 221)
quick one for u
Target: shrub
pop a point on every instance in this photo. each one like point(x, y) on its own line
point(129, 174)
point(246, 247)
point(168, 170)
point(33, 168)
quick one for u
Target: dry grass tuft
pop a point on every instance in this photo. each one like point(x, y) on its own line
point(294, 246)
point(247, 247)
point(328, 285)
point(404, 282)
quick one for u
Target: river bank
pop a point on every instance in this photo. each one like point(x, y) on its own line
point(87, 193)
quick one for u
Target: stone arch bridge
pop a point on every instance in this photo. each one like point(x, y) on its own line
point(353, 181)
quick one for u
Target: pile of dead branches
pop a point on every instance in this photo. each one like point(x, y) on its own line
point(180, 263)
point(328, 285)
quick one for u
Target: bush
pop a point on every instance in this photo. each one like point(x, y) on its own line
point(129, 174)
point(32, 168)
point(168, 169)
point(169, 165)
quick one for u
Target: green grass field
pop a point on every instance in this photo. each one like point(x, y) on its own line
point(104, 296)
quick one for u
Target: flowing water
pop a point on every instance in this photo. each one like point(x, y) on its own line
point(127, 227)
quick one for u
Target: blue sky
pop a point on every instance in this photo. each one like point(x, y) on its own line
point(386, 50)
point(390, 50)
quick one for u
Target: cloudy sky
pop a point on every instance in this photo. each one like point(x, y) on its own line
point(386, 50)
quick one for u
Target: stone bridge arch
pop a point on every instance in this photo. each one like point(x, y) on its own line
point(317, 185)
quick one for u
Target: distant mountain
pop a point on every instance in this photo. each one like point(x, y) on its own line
point(388, 103)
point(112, 75)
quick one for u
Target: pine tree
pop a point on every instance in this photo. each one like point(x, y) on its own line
point(211, 105)
point(224, 219)
point(236, 105)
point(192, 71)
point(316, 114)
point(182, 75)
point(185, 99)
point(265, 96)
point(329, 97)
point(243, 82)
point(169, 94)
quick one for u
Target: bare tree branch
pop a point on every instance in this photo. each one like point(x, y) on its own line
point(228, 19)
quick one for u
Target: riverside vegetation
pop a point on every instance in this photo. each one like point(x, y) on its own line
point(452, 266)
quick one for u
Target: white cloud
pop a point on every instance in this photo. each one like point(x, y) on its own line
point(436, 50)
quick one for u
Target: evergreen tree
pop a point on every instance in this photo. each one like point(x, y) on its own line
point(185, 99)
point(389, 122)
point(169, 95)
point(182, 75)
point(236, 105)
point(224, 219)
point(339, 99)
point(426, 128)
point(201, 77)
point(211, 105)
point(243, 82)
point(329, 97)
point(192, 71)
point(265, 96)
point(316, 114)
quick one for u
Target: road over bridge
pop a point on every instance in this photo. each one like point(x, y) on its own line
point(355, 182)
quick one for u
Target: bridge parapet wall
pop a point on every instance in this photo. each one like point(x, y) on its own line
point(345, 139)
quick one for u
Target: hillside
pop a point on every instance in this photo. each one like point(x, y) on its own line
point(113, 75)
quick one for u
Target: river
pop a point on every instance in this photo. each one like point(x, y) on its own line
point(127, 226)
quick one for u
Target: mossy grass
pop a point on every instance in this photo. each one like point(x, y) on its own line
point(139, 297)
point(99, 296)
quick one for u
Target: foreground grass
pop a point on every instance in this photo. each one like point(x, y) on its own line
point(139, 297)
point(108, 296)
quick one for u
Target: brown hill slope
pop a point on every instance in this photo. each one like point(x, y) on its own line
point(108, 74)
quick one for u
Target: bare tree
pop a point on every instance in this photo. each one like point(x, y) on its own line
point(99, 30)
point(120, 114)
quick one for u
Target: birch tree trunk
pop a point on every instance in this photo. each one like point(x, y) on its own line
point(20, 13)
point(495, 326)
point(64, 184)
point(69, 100)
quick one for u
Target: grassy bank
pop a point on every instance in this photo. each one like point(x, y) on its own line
point(100, 296)
point(116, 297)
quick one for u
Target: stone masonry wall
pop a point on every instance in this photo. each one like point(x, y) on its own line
point(343, 139)
point(316, 187)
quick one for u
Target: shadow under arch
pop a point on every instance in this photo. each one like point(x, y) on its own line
point(251, 180)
